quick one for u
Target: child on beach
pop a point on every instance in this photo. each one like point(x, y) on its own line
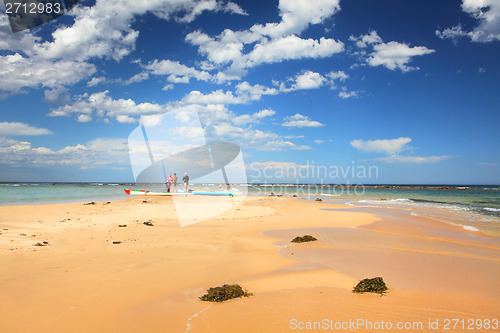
point(169, 180)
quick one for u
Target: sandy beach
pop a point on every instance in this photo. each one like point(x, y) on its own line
point(102, 269)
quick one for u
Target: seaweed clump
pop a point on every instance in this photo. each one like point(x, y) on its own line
point(303, 239)
point(373, 285)
point(224, 293)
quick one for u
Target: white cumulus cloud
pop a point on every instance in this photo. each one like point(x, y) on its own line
point(297, 15)
point(95, 81)
point(18, 72)
point(272, 42)
point(413, 159)
point(197, 8)
point(305, 80)
point(487, 14)
point(243, 94)
point(176, 72)
point(252, 118)
point(365, 40)
point(339, 75)
point(392, 146)
point(16, 128)
point(344, 93)
point(299, 120)
point(292, 47)
point(102, 105)
point(137, 78)
point(98, 153)
point(392, 55)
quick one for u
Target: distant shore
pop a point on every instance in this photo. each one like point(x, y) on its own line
point(128, 266)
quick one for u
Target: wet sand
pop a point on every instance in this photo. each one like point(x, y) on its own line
point(95, 276)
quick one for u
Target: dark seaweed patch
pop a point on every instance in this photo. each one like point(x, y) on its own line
point(373, 285)
point(303, 239)
point(224, 293)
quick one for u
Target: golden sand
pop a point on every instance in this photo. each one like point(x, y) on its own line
point(95, 276)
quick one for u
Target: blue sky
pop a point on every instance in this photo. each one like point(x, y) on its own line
point(410, 88)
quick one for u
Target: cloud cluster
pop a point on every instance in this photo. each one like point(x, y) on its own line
point(17, 129)
point(254, 118)
point(339, 75)
point(197, 8)
point(296, 16)
point(103, 106)
point(344, 93)
point(71, 53)
point(487, 14)
point(272, 42)
point(290, 48)
point(243, 94)
point(18, 72)
point(393, 148)
point(305, 80)
point(413, 159)
point(219, 122)
point(98, 153)
point(392, 55)
point(176, 72)
point(103, 30)
point(231, 53)
point(299, 120)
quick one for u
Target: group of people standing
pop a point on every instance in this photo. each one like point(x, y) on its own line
point(172, 183)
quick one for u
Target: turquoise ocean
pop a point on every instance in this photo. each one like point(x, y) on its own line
point(474, 207)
